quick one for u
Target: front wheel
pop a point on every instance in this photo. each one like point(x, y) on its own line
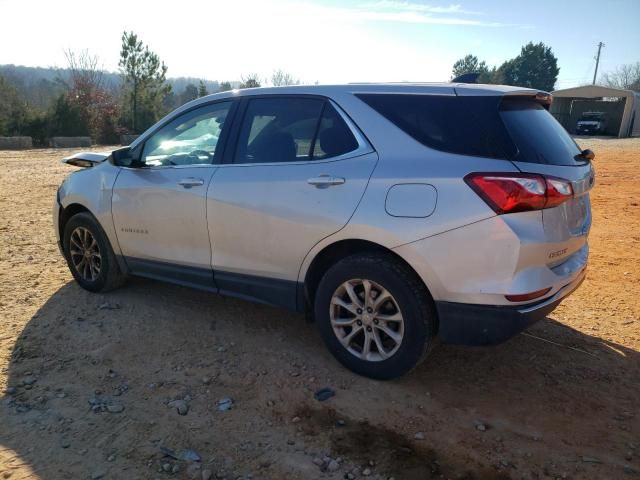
point(89, 254)
point(375, 315)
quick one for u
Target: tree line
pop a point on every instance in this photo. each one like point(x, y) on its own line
point(537, 67)
point(84, 100)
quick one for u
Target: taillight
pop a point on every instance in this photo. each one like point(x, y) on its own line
point(558, 191)
point(519, 192)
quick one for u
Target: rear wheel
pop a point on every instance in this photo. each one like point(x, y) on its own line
point(89, 254)
point(375, 315)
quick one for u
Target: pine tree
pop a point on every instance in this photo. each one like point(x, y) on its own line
point(202, 89)
point(144, 75)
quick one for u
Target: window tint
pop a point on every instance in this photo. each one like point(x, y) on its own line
point(334, 136)
point(463, 125)
point(278, 130)
point(189, 139)
point(539, 136)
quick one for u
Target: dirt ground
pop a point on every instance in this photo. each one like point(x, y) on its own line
point(87, 378)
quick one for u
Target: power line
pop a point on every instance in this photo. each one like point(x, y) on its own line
point(595, 73)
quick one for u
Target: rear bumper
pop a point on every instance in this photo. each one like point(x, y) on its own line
point(470, 324)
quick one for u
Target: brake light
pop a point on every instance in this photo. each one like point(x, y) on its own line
point(519, 192)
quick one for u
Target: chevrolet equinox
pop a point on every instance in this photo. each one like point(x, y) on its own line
point(396, 216)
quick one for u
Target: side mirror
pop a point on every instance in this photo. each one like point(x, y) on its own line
point(125, 157)
point(586, 154)
point(122, 157)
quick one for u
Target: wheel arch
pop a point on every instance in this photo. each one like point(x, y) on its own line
point(66, 213)
point(340, 249)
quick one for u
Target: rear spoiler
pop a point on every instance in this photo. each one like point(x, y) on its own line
point(543, 98)
point(86, 159)
point(504, 91)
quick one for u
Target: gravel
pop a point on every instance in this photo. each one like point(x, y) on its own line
point(206, 474)
point(181, 406)
point(224, 404)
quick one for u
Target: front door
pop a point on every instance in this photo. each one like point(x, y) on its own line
point(297, 175)
point(159, 208)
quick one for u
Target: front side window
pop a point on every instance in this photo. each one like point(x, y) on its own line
point(190, 139)
point(292, 129)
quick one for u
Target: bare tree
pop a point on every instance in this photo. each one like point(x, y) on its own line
point(250, 81)
point(625, 76)
point(86, 91)
point(280, 79)
point(85, 73)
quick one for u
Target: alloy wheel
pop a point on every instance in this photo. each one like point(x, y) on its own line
point(366, 319)
point(85, 254)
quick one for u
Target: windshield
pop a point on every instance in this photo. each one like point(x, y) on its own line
point(537, 135)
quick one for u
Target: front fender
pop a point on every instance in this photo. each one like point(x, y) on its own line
point(92, 189)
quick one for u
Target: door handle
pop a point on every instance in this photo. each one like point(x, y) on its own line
point(191, 182)
point(324, 181)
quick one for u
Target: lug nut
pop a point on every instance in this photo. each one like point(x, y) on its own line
point(376, 321)
point(370, 310)
point(368, 329)
point(359, 322)
point(359, 311)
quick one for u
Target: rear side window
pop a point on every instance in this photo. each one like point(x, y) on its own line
point(289, 129)
point(278, 130)
point(538, 136)
point(462, 125)
point(334, 136)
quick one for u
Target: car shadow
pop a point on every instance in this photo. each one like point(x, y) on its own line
point(558, 394)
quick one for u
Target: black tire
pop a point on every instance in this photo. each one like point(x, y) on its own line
point(414, 302)
point(110, 275)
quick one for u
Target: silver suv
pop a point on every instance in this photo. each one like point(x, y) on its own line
point(395, 216)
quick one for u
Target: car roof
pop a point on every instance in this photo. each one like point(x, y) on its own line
point(401, 87)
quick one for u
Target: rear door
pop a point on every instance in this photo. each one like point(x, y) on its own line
point(299, 169)
point(545, 147)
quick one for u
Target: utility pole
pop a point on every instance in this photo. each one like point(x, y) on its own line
point(600, 45)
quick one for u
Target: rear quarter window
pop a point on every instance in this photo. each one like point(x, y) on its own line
point(462, 125)
point(510, 128)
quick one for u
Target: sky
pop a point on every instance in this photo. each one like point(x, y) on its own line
point(325, 41)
